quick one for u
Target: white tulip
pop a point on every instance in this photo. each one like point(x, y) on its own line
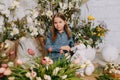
point(56, 70)
point(29, 20)
point(41, 31)
point(3, 55)
point(11, 78)
point(34, 32)
point(38, 78)
point(63, 5)
point(49, 13)
point(47, 77)
point(15, 31)
point(15, 4)
point(2, 70)
point(64, 76)
point(10, 64)
point(70, 5)
point(28, 74)
point(34, 14)
point(6, 12)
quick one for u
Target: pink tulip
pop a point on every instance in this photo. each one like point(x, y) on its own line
point(4, 65)
point(31, 52)
point(50, 61)
point(12, 52)
point(7, 72)
point(33, 74)
point(19, 62)
point(44, 61)
point(2, 69)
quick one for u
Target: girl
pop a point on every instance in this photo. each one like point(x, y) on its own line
point(59, 39)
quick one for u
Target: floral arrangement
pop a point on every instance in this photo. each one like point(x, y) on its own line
point(18, 19)
point(13, 30)
point(42, 69)
point(112, 68)
point(15, 25)
point(89, 33)
point(110, 71)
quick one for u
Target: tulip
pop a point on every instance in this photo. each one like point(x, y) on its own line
point(12, 52)
point(7, 72)
point(2, 70)
point(64, 76)
point(11, 78)
point(56, 70)
point(50, 61)
point(44, 61)
point(31, 52)
point(47, 77)
point(28, 74)
point(33, 74)
point(4, 65)
point(19, 62)
point(38, 78)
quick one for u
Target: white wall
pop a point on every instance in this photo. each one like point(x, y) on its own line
point(108, 11)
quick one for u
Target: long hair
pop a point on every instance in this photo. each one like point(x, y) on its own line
point(54, 30)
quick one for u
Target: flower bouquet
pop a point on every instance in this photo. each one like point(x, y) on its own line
point(89, 33)
point(113, 70)
point(41, 69)
point(13, 30)
point(6, 60)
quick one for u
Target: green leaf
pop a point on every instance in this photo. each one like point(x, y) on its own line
point(73, 78)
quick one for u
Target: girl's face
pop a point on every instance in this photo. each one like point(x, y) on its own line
point(59, 24)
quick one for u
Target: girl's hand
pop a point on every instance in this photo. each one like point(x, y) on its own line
point(50, 49)
point(65, 48)
point(61, 51)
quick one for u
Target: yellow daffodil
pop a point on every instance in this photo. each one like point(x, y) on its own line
point(93, 33)
point(99, 29)
point(98, 34)
point(90, 17)
point(102, 34)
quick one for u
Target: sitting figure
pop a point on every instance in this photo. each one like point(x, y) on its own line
point(79, 58)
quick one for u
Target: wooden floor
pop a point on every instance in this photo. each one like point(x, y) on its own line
point(89, 78)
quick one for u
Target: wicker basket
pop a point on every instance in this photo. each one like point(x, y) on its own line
point(115, 75)
point(112, 74)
